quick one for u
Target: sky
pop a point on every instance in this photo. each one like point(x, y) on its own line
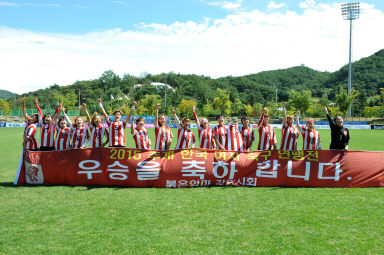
point(48, 42)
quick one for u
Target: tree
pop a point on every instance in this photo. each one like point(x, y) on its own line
point(207, 108)
point(147, 105)
point(344, 101)
point(368, 113)
point(257, 109)
point(237, 107)
point(185, 107)
point(248, 110)
point(300, 101)
point(222, 102)
point(4, 105)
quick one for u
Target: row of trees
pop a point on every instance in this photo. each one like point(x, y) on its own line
point(228, 95)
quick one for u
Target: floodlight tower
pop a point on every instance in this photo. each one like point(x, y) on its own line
point(350, 11)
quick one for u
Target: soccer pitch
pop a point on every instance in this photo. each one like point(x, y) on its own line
point(217, 220)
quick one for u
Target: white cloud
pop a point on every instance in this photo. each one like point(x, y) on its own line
point(234, 5)
point(239, 44)
point(307, 4)
point(272, 5)
point(121, 3)
point(8, 4)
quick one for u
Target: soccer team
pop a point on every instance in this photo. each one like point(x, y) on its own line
point(59, 133)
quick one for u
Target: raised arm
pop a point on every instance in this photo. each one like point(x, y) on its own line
point(157, 115)
point(177, 119)
point(131, 112)
point(132, 126)
point(39, 112)
point(328, 117)
point(23, 108)
point(195, 116)
point(87, 113)
point(284, 112)
point(261, 118)
point(57, 113)
point(298, 122)
point(102, 110)
point(66, 116)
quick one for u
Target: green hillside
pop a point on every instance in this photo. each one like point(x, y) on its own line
point(244, 90)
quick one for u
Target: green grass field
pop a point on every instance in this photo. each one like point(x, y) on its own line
point(217, 220)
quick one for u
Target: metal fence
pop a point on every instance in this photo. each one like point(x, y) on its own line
point(19, 112)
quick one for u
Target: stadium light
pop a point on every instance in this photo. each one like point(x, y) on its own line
point(350, 11)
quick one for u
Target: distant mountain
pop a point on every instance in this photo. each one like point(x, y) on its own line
point(368, 78)
point(368, 75)
point(5, 94)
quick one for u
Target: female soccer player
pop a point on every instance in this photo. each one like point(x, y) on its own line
point(48, 128)
point(247, 134)
point(29, 141)
point(289, 132)
point(206, 140)
point(339, 134)
point(185, 136)
point(220, 132)
point(163, 133)
point(117, 127)
point(140, 134)
point(80, 134)
point(97, 129)
point(311, 137)
point(267, 136)
point(233, 139)
point(63, 134)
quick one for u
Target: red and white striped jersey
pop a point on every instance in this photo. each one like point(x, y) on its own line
point(141, 138)
point(29, 132)
point(47, 135)
point(80, 137)
point(163, 137)
point(206, 140)
point(97, 134)
point(289, 137)
point(267, 137)
point(311, 139)
point(247, 135)
point(63, 138)
point(220, 133)
point(234, 142)
point(185, 138)
point(116, 132)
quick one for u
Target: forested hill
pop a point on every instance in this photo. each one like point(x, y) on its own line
point(249, 89)
point(5, 94)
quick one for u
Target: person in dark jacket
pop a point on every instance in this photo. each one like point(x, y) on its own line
point(339, 133)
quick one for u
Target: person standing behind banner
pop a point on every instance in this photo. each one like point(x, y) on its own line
point(267, 135)
point(140, 134)
point(163, 133)
point(80, 134)
point(185, 136)
point(206, 140)
point(289, 132)
point(220, 133)
point(247, 134)
point(63, 132)
point(233, 140)
point(48, 128)
point(117, 127)
point(311, 137)
point(339, 134)
point(29, 138)
point(97, 130)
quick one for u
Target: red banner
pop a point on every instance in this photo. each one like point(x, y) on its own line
point(199, 167)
